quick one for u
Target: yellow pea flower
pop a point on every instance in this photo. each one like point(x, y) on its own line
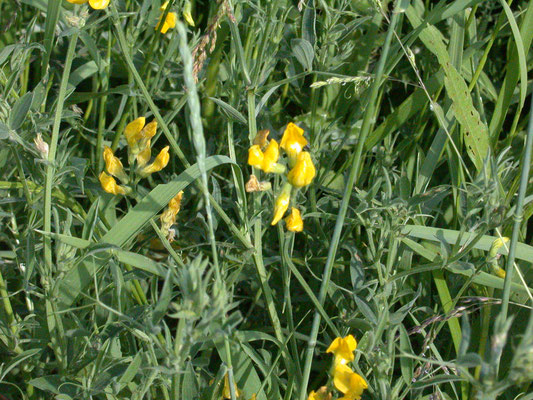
point(159, 163)
point(133, 133)
point(267, 161)
point(294, 221)
point(96, 4)
point(226, 391)
point(348, 383)
point(293, 141)
point(109, 184)
point(170, 20)
point(321, 394)
point(343, 349)
point(143, 143)
point(282, 204)
point(187, 13)
point(114, 166)
point(303, 171)
point(168, 218)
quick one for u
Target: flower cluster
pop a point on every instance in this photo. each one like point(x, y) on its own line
point(264, 155)
point(138, 136)
point(349, 383)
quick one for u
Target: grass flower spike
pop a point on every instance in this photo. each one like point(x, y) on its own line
point(96, 4)
point(348, 382)
point(267, 161)
point(294, 221)
point(170, 20)
point(303, 171)
point(293, 142)
point(343, 349)
point(159, 163)
point(114, 166)
point(282, 204)
point(109, 184)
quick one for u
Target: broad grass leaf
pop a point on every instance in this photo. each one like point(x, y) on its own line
point(230, 112)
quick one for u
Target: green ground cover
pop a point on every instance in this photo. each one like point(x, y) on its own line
point(266, 199)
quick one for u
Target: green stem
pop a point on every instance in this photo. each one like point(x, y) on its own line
point(354, 171)
point(50, 168)
point(517, 217)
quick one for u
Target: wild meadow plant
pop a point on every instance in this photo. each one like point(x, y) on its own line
point(266, 199)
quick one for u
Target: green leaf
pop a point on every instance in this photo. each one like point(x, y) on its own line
point(20, 110)
point(230, 112)
point(304, 53)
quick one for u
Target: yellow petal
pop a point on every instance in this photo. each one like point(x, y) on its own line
point(113, 165)
point(159, 163)
point(282, 204)
point(255, 156)
point(293, 140)
point(343, 349)
point(303, 171)
point(99, 4)
point(348, 382)
point(187, 13)
point(163, 6)
point(110, 185)
point(294, 221)
point(149, 130)
point(133, 130)
point(77, 1)
point(271, 156)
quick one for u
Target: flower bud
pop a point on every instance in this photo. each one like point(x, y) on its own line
point(303, 171)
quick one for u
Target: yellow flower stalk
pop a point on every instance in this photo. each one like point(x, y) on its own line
point(343, 349)
point(293, 142)
point(294, 221)
point(96, 4)
point(226, 391)
point(170, 20)
point(159, 163)
point(267, 161)
point(348, 383)
point(321, 394)
point(303, 171)
point(168, 218)
point(282, 204)
point(109, 184)
point(114, 166)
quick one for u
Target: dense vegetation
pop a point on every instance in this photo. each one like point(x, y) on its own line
point(266, 199)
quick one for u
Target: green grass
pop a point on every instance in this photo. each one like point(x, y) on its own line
point(419, 120)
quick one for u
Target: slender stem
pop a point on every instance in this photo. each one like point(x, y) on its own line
point(517, 217)
point(354, 171)
point(50, 168)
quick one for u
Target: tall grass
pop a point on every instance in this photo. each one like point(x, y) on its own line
point(419, 120)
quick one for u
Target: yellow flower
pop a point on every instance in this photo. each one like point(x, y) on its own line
point(267, 161)
point(170, 20)
point(133, 133)
point(348, 382)
point(114, 166)
point(109, 184)
point(187, 13)
point(96, 4)
point(294, 221)
point(303, 171)
point(168, 218)
point(143, 143)
point(159, 163)
point(322, 394)
point(293, 141)
point(281, 204)
point(261, 138)
point(226, 391)
point(343, 349)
